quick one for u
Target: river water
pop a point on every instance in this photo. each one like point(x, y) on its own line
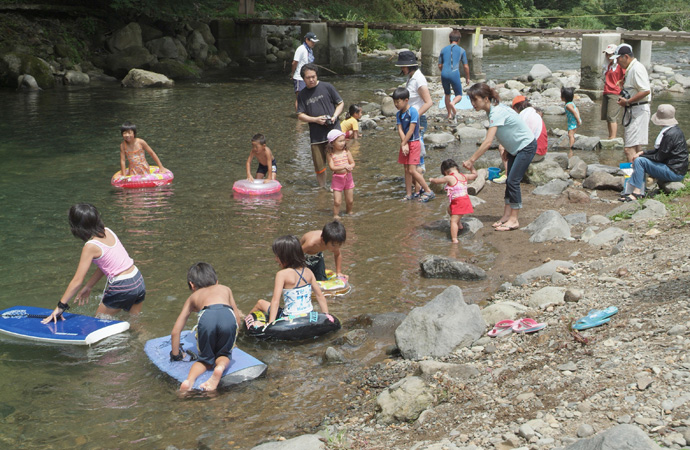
point(61, 147)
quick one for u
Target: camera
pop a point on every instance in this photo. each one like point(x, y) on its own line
point(329, 121)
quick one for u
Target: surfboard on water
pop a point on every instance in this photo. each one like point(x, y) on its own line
point(464, 103)
point(25, 322)
point(242, 367)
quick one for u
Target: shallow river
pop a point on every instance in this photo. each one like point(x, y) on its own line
point(61, 147)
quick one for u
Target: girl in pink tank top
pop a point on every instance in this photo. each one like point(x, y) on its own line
point(456, 187)
point(341, 162)
point(125, 287)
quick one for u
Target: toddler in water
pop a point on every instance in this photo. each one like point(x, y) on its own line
point(456, 186)
point(294, 283)
point(571, 113)
point(350, 126)
point(340, 161)
point(217, 326)
point(263, 154)
point(132, 150)
point(125, 288)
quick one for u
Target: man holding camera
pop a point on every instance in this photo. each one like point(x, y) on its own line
point(318, 104)
point(635, 98)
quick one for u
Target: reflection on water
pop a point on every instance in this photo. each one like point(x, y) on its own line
point(61, 147)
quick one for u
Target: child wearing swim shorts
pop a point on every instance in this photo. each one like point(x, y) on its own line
point(314, 243)
point(263, 154)
point(341, 162)
point(132, 150)
point(217, 326)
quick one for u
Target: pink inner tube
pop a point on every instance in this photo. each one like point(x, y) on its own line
point(258, 187)
point(154, 178)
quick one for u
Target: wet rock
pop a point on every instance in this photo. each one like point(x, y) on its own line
point(548, 226)
point(176, 70)
point(355, 337)
point(628, 437)
point(27, 82)
point(578, 168)
point(502, 310)
point(440, 140)
point(119, 64)
point(539, 72)
point(470, 134)
point(197, 46)
point(404, 401)
point(548, 296)
point(545, 171)
point(545, 270)
point(388, 108)
point(553, 188)
point(13, 65)
point(608, 236)
point(138, 78)
point(368, 124)
point(682, 80)
point(589, 143)
point(603, 180)
point(304, 442)
point(75, 78)
point(458, 371)
point(164, 47)
point(442, 267)
point(651, 209)
point(124, 38)
point(593, 168)
point(608, 144)
point(440, 326)
point(333, 356)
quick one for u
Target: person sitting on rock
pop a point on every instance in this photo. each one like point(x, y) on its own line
point(667, 161)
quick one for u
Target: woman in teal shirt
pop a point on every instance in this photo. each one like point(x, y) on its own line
point(518, 140)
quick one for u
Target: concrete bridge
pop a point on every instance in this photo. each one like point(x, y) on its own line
point(338, 42)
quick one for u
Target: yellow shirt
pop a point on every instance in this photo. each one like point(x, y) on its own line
point(349, 124)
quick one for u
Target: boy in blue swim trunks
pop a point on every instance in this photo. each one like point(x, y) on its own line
point(216, 329)
point(263, 154)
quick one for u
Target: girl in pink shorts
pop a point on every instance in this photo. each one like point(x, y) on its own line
point(340, 161)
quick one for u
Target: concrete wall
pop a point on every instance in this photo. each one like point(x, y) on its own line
point(593, 58)
point(322, 48)
point(342, 47)
point(642, 50)
point(239, 40)
point(433, 41)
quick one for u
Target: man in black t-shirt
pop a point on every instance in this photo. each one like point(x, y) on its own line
point(319, 104)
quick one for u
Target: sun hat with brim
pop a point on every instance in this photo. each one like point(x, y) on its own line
point(518, 99)
point(334, 134)
point(610, 49)
point(665, 116)
point(406, 59)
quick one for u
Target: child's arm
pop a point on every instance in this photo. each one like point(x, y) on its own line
point(490, 135)
point(249, 166)
point(239, 315)
point(444, 179)
point(150, 151)
point(472, 175)
point(83, 295)
point(350, 160)
point(409, 134)
point(88, 253)
point(329, 160)
point(320, 299)
point(338, 263)
point(123, 159)
point(277, 293)
point(269, 159)
point(179, 325)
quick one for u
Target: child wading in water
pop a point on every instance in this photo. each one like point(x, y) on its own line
point(132, 150)
point(217, 326)
point(350, 126)
point(340, 161)
point(125, 288)
point(263, 154)
point(572, 114)
point(294, 283)
point(456, 186)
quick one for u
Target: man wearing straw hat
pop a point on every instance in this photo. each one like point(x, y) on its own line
point(667, 161)
point(613, 74)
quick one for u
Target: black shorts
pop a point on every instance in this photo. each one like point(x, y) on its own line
point(264, 169)
point(216, 333)
point(317, 265)
point(125, 292)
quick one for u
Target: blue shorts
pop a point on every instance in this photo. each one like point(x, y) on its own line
point(454, 81)
point(264, 169)
point(216, 333)
point(123, 292)
point(299, 85)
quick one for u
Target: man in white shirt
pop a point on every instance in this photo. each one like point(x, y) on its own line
point(303, 55)
point(637, 112)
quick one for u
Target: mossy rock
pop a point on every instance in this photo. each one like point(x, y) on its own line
point(12, 65)
point(176, 70)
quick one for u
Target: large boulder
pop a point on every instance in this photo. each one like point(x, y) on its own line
point(503, 310)
point(470, 134)
point(388, 108)
point(552, 188)
point(539, 72)
point(545, 270)
point(176, 70)
point(578, 168)
point(441, 139)
point(125, 37)
point(586, 143)
point(603, 180)
point(627, 437)
point(545, 171)
point(440, 326)
point(197, 46)
point(547, 296)
point(164, 47)
point(76, 78)
point(119, 64)
point(27, 83)
point(138, 78)
point(609, 236)
point(205, 31)
point(548, 226)
point(651, 210)
point(444, 267)
point(14, 65)
point(404, 401)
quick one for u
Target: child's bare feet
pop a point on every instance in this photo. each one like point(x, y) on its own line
point(185, 386)
point(212, 382)
point(336, 217)
point(455, 241)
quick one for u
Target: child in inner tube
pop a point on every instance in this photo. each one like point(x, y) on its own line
point(132, 151)
point(294, 283)
point(217, 326)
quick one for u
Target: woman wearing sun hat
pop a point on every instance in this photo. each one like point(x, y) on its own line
point(668, 160)
point(420, 98)
point(613, 74)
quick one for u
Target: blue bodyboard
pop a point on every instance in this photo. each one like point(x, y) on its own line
point(464, 103)
point(25, 322)
point(242, 367)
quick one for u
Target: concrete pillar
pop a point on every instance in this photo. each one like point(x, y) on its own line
point(239, 40)
point(321, 49)
point(642, 50)
point(433, 41)
point(592, 59)
point(342, 48)
point(475, 54)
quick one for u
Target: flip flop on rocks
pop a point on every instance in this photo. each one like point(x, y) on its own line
point(528, 325)
point(595, 318)
point(502, 328)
